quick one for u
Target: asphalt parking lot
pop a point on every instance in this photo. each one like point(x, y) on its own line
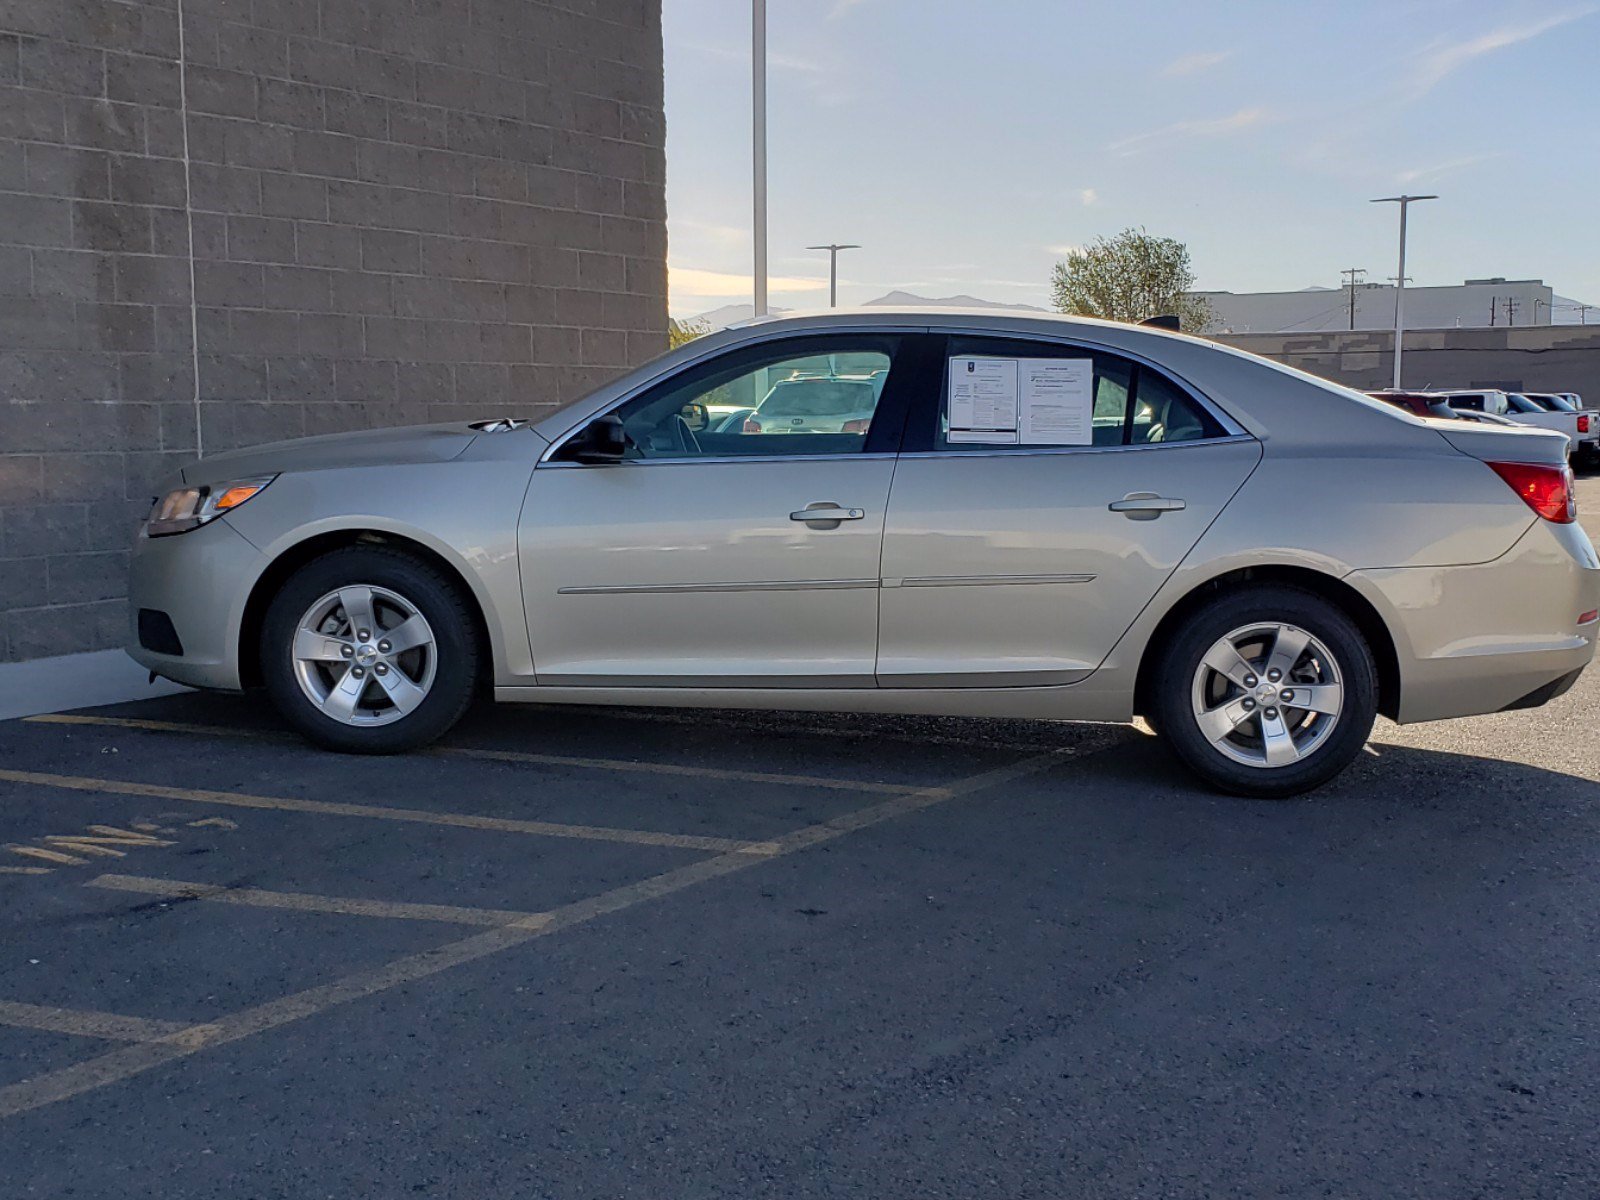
point(578, 952)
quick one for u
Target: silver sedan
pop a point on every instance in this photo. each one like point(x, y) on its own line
point(1037, 518)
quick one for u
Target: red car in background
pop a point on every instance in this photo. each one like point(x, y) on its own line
point(1432, 404)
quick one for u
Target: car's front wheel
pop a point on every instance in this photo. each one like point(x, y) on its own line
point(1268, 691)
point(369, 650)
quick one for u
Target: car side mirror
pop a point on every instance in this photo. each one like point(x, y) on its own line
point(602, 440)
point(695, 415)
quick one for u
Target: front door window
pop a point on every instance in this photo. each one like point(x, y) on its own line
point(799, 397)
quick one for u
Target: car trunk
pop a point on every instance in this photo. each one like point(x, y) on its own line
point(1493, 443)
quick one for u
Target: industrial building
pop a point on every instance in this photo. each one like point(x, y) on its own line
point(1475, 304)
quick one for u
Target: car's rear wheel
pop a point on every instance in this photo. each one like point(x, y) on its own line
point(369, 650)
point(1269, 691)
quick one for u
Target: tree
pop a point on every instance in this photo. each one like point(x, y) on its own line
point(681, 333)
point(1128, 278)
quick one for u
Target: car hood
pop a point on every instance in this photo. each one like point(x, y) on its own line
point(370, 447)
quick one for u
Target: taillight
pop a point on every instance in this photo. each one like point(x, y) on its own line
point(1544, 487)
point(856, 426)
point(751, 425)
point(1583, 422)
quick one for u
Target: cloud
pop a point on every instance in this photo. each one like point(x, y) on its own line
point(722, 237)
point(775, 58)
point(695, 281)
point(1245, 118)
point(1443, 168)
point(1442, 59)
point(1191, 64)
point(1062, 250)
point(1088, 196)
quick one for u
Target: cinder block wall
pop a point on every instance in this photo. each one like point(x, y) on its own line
point(391, 211)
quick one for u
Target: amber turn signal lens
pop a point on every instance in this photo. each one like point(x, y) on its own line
point(236, 495)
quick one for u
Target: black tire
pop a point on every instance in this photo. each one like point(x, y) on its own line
point(456, 655)
point(1173, 685)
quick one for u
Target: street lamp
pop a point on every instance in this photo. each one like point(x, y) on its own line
point(1400, 280)
point(758, 139)
point(833, 249)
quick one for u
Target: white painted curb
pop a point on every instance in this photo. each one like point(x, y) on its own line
point(48, 685)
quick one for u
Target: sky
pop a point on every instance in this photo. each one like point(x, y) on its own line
point(966, 144)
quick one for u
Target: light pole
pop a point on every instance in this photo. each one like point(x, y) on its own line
point(833, 249)
point(758, 138)
point(1400, 280)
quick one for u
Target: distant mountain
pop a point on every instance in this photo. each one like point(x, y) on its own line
point(728, 314)
point(899, 299)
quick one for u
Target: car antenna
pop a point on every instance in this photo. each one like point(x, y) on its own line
point(1164, 321)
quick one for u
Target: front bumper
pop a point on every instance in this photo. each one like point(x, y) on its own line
point(200, 580)
point(1496, 635)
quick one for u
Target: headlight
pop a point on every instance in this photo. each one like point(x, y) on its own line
point(191, 507)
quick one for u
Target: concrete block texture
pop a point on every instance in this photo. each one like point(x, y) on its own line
point(299, 217)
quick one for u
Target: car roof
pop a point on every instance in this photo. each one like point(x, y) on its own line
point(942, 316)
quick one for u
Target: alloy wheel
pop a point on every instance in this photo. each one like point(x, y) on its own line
point(364, 655)
point(1267, 695)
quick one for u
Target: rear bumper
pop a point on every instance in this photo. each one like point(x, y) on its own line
point(199, 582)
point(1498, 635)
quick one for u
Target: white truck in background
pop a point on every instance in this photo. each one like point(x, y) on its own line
point(1589, 441)
point(1514, 406)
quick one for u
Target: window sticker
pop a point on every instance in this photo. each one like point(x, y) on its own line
point(1022, 401)
point(983, 400)
point(1057, 401)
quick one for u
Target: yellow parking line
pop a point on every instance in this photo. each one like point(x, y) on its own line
point(84, 1023)
point(146, 723)
point(304, 902)
point(549, 760)
point(650, 768)
point(23, 870)
point(591, 833)
point(134, 1060)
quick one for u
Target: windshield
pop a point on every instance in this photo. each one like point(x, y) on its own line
point(1551, 402)
point(818, 398)
point(1523, 404)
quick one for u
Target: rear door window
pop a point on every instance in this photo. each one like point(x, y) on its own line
point(1016, 393)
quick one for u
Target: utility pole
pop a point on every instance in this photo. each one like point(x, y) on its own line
point(1511, 310)
point(1405, 203)
point(758, 139)
point(1536, 302)
point(833, 249)
point(1350, 274)
point(1494, 310)
point(1583, 313)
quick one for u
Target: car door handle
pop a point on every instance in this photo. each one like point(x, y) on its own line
point(824, 511)
point(1145, 506)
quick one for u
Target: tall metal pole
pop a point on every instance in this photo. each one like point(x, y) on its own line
point(833, 267)
point(1400, 280)
point(758, 116)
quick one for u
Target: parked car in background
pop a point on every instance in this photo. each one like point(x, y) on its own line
point(1519, 409)
point(1044, 517)
point(1432, 404)
point(1588, 419)
point(816, 404)
point(1421, 404)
